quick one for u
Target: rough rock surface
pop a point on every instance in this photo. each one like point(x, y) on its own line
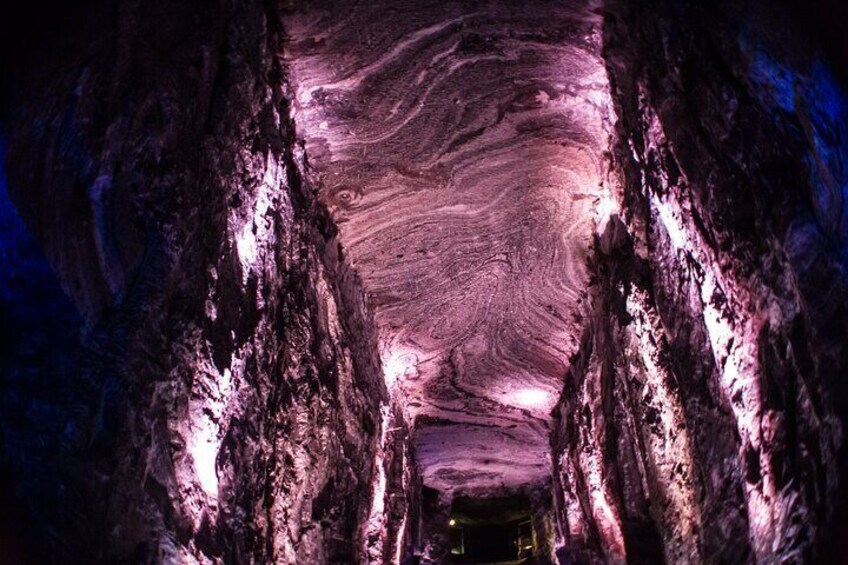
point(329, 265)
point(230, 403)
point(702, 419)
point(459, 146)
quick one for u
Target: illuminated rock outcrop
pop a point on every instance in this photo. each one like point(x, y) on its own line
point(702, 420)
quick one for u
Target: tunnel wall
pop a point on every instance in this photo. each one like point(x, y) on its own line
point(228, 401)
point(702, 418)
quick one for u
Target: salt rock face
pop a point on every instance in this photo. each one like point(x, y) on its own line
point(702, 419)
point(228, 402)
point(459, 148)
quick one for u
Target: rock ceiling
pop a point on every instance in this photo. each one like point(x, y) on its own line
point(459, 146)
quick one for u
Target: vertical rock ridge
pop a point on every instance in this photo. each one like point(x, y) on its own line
point(216, 300)
point(701, 419)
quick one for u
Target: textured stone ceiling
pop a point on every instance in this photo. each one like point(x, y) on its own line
point(459, 146)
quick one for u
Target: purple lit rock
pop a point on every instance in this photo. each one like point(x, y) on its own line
point(341, 270)
point(459, 147)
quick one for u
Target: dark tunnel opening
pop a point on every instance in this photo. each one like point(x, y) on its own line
point(491, 530)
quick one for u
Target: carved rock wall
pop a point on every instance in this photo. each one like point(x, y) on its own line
point(230, 402)
point(702, 418)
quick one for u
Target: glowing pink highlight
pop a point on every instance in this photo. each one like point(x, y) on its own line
point(532, 398)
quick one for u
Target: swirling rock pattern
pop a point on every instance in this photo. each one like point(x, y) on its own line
point(459, 148)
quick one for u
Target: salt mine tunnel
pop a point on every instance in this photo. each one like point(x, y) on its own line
point(396, 282)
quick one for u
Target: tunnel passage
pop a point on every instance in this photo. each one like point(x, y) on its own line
point(343, 273)
point(459, 148)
